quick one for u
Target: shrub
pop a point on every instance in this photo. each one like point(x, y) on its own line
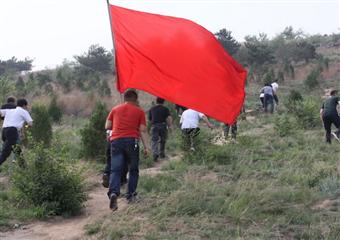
point(49, 183)
point(312, 79)
point(307, 114)
point(54, 111)
point(284, 125)
point(42, 128)
point(293, 100)
point(93, 136)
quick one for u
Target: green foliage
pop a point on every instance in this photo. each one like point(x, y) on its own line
point(312, 79)
point(293, 101)
point(42, 127)
point(6, 87)
point(307, 114)
point(54, 110)
point(49, 183)
point(20, 86)
point(93, 136)
point(284, 126)
point(228, 42)
point(96, 59)
point(269, 77)
point(15, 66)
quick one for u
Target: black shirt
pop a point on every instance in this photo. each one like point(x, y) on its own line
point(158, 114)
point(329, 106)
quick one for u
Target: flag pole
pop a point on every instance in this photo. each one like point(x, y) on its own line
point(113, 43)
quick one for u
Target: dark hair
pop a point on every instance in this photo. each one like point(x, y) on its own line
point(10, 100)
point(160, 100)
point(130, 96)
point(334, 92)
point(22, 102)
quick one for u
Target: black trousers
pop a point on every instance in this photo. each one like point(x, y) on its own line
point(10, 138)
point(159, 133)
point(328, 120)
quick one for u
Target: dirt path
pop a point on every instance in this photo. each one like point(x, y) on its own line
point(73, 228)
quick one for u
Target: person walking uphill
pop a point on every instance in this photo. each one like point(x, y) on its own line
point(189, 124)
point(160, 119)
point(127, 122)
point(13, 122)
point(329, 115)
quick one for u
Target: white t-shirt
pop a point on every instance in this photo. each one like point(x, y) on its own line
point(15, 117)
point(190, 119)
point(275, 86)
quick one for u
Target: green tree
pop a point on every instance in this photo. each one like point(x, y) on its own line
point(55, 111)
point(6, 87)
point(96, 59)
point(42, 127)
point(228, 42)
point(20, 86)
point(93, 136)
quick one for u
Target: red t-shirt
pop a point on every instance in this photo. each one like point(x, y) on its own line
point(126, 119)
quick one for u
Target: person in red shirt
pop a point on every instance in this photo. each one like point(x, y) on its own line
point(127, 123)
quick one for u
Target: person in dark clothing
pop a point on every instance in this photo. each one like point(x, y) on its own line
point(160, 119)
point(329, 115)
point(10, 104)
point(180, 109)
point(106, 174)
point(226, 129)
point(13, 122)
point(269, 97)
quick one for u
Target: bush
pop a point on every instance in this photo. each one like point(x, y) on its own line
point(42, 128)
point(312, 79)
point(293, 100)
point(54, 111)
point(93, 136)
point(307, 114)
point(284, 126)
point(49, 183)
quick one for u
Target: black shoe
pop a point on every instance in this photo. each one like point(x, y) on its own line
point(113, 202)
point(162, 155)
point(131, 198)
point(155, 158)
point(105, 180)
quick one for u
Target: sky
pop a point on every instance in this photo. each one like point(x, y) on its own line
point(50, 31)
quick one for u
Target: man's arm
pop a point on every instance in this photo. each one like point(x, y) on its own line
point(205, 119)
point(108, 124)
point(145, 138)
point(169, 121)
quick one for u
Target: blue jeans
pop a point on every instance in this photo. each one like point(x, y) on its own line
point(124, 151)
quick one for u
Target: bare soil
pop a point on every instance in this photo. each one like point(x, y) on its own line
point(96, 208)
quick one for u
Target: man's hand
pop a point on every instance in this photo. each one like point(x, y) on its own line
point(146, 152)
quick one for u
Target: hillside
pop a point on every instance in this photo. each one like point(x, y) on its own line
point(279, 180)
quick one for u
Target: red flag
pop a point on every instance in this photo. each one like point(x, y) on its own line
point(178, 60)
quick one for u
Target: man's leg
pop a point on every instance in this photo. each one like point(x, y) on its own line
point(327, 125)
point(155, 142)
point(163, 132)
point(336, 122)
point(226, 128)
point(11, 137)
point(117, 162)
point(234, 130)
point(194, 132)
point(132, 152)
point(106, 174)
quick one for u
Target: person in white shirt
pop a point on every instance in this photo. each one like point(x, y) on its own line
point(189, 124)
point(14, 120)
